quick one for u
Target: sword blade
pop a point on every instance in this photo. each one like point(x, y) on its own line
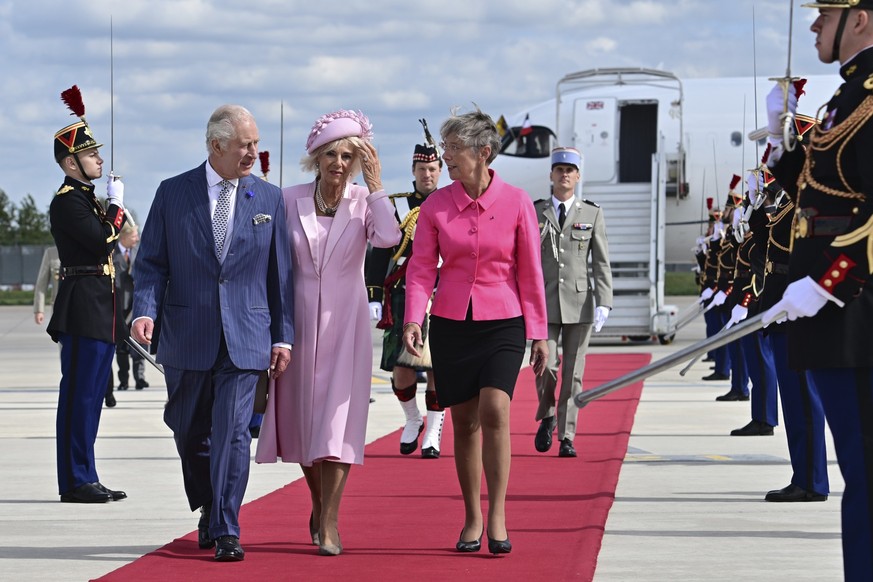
point(790, 34)
point(748, 326)
point(111, 100)
point(147, 356)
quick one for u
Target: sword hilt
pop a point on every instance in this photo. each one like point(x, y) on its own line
point(789, 139)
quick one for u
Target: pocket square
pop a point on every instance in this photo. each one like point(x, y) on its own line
point(261, 218)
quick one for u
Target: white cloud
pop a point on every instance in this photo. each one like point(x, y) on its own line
point(601, 45)
point(176, 60)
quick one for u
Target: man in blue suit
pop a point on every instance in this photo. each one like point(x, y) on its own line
point(214, 265)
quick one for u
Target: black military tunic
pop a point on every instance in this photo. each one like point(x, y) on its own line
point(85, 235)
point(833, 224)
point(776, 262)
point(749, 273)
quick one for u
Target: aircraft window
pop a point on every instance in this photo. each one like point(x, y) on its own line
point(736, 139)
point(537, 144)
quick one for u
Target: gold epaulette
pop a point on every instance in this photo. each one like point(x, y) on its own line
point(400, 195)
point(64, 189)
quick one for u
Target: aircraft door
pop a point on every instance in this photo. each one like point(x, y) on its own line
point(638, 141)
point(594, 136)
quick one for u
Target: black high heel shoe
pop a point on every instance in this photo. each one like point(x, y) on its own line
point(499, 546)
point(473, 546)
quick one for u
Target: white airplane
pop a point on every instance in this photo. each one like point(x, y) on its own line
point(655, 148)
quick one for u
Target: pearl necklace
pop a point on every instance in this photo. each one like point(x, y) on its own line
point(322, 206)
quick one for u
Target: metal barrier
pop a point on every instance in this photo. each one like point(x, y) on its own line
point(19, 265)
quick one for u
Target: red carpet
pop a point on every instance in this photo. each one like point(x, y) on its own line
point(401, 516)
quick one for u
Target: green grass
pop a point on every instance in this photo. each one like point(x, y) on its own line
point(680, 283)
point(16, 297)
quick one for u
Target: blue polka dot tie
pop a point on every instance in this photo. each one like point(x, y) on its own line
point(219, 218)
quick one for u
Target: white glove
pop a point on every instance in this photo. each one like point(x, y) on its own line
point(719, 298)
point(803, 298)
point(115, 191)
point(707, 293)
point(375, 310)
point(738, 313)
point(775, 109)
point(600, 315)
point(752, 186)
point(699, 245)
point(717, 230)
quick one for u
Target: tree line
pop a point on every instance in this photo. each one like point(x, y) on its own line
point(23, 223)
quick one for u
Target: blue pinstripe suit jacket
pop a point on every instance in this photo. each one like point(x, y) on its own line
point(178, 278)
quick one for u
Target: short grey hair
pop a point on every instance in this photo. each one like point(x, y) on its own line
point(309, 162)
point(221, 125)
point(474, 129)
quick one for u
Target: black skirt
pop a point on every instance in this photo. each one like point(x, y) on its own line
point(470, 355)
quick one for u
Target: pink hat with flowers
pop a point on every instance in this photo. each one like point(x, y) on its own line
point(337, 125)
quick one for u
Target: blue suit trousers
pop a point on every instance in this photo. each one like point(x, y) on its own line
point(209, 412)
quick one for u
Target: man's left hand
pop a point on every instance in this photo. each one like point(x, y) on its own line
point(279, 360)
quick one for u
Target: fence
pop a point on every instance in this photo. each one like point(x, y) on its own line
point(19, 265)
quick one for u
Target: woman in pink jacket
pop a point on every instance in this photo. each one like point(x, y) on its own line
point(317, 412)
point(490, 298)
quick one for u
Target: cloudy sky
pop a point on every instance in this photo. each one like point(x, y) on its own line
point(175, 61)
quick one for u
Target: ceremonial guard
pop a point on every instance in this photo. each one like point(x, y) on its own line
point(83, 318)
point(571, 230)
point(829, 300)
point(750, 236)
point(726, 261)
point(386, 286)
point(802, 412)
point(709, 286)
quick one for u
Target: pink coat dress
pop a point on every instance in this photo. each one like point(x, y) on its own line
point(317, 410)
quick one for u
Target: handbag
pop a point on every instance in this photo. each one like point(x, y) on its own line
point(407, 360)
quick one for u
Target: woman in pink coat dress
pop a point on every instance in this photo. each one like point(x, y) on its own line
point(489, 298)
point(317, 410)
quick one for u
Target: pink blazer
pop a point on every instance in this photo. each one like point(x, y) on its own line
point(490, 248)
